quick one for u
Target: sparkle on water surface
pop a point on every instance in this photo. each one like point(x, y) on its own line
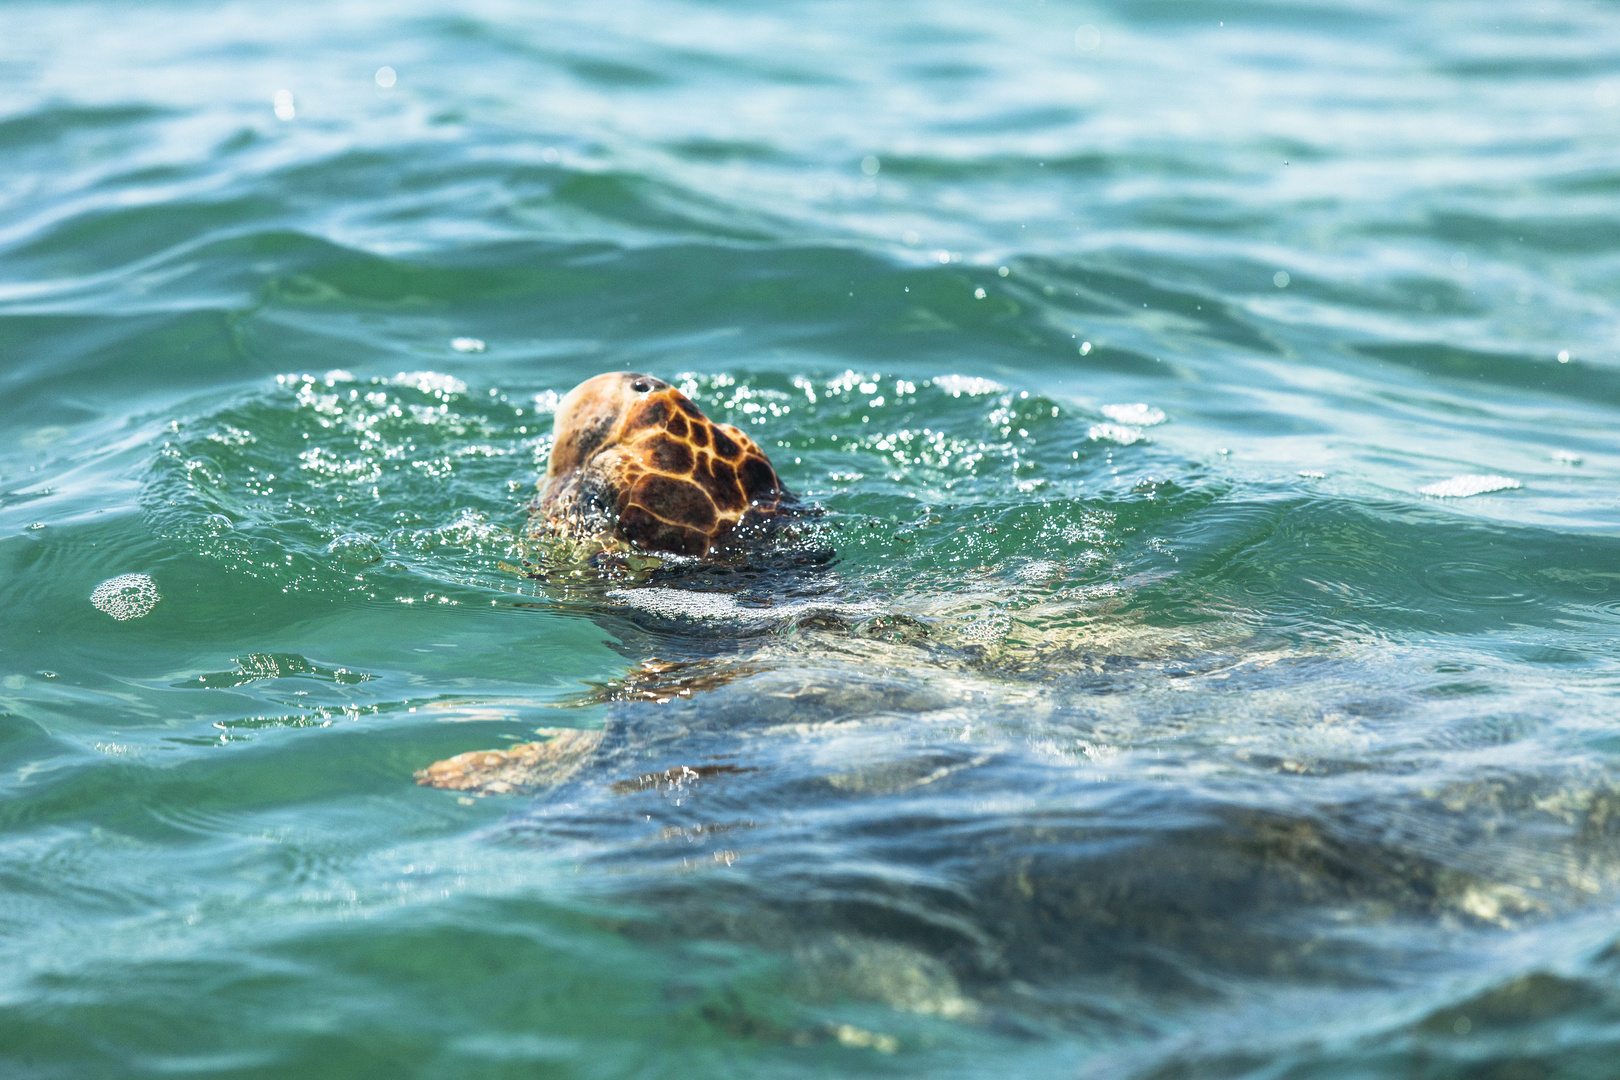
point(1193, 668)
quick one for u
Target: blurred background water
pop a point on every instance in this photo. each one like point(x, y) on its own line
point(1215, 411)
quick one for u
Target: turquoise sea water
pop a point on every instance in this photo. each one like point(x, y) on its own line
point(1171, 708)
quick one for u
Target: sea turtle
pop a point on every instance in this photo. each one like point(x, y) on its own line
point(634, 465)
point(634, 461)
point(636, 469)
point(930, 797)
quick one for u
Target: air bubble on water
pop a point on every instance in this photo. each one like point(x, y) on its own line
point(1461, 487)
point(283, 102)
point(550, 155)
point(1563, 356)
point(1138, 414)
point(942, 256)
point(128, 596)
point(386, 77)
point(1003, 271)
point(911, 238)
point(870, 165)
point(355, 548)
point(1121, 434)
point(467, 344)
point(218, 523)
point(1087, 38)
point(1281, 279)
point(1085, 348)
point(979, 294)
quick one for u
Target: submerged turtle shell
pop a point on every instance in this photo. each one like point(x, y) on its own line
point(633, 459)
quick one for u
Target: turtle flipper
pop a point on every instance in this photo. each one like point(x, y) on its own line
point(524, 767)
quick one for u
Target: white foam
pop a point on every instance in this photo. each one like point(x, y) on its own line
point(128, 596)
point(1115, 433)
point(957, 385)
point(1137, 413)
point(431, 382)
point(723, 607)
point(1460, 487)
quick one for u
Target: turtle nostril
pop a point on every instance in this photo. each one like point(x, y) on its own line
point(641, 386)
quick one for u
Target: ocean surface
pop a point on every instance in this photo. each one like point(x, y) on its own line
point(1214, 412)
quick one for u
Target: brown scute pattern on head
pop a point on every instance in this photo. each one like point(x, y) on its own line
point(634, 457)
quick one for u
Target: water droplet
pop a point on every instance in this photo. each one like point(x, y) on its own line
point(1563, 356)
point(386, 77)
point(978, 294)
point(1085, 348)
point(1281, 279)
point(1003, 271)
point(283, 102)
point(870, 165)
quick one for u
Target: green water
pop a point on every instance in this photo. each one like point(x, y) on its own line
point(1159, 716)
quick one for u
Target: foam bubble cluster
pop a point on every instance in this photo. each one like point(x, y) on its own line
point(1460, 487)
point(679, 604)
point(128, 596)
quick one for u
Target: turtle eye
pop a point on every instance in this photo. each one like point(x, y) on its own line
point(641, 386)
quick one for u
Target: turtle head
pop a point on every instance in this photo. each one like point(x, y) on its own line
point(592, 417)
point(633, 453)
